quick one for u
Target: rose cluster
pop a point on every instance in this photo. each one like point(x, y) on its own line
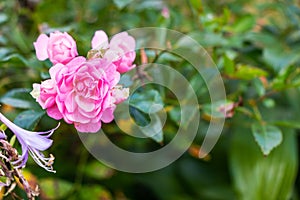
point(84, 91)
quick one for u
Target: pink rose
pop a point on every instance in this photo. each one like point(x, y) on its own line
point(45, 94)
point(58, 47)
point(84, 92)
point(121, 49)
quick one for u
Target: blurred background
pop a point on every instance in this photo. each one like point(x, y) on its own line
point(256, 46)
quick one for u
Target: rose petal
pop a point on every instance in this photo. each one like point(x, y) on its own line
point(88, 128)
point(85, 104)
point(54, 113)
point(108, 114)
point(100, 40)
point(41, 47)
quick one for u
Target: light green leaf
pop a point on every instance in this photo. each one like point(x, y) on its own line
point(228, 65)
point(3, 18)
point(122, 3)
point(197, 4)
point(267, 137)
point(244, 24)
point(4, 52)
point(29, 119)
point(53, 188)
point(88, 192)
point(247, 72)
point(155, 130)
point(97, 170)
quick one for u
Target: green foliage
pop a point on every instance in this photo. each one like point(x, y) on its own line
point(19, 98)
point(255, 45)
point(259, 177)
point(267, 137)
point(55, 188)
point(148, 101)
point(29, 119)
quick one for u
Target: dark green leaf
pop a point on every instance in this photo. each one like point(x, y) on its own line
point(15, 58)
point(29, 119)
point(148, 101)
point(278, 58)
point(259, 177)
point(19, 98)
point(139, 117)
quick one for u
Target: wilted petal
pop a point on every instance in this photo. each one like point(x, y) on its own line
point(119, 94)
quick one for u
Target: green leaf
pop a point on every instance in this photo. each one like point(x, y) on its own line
point(3, 18)
point(88, 192)
point(19, 98)
point(148, 101)
point(177, 114)
point(260, 89)
point(122, 3)
point(258, 177)
point(267, 137)
point(279, 58)
point(155, 131)
point(97, 170)
point(197, 4)
point(4, 52)
point(139, 117)
point(29, 119)
point(228, 65)
point(247, 72)
point(244, 24)
point(15, 58)
point(53, 188)
point(209, 39)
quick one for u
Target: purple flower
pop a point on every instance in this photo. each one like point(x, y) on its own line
point(32, 143)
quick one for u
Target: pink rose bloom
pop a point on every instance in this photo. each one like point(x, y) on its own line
point(84, 95)
point(45, 94)
point(121, 49)
point(165, 12)
point(58, 47)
